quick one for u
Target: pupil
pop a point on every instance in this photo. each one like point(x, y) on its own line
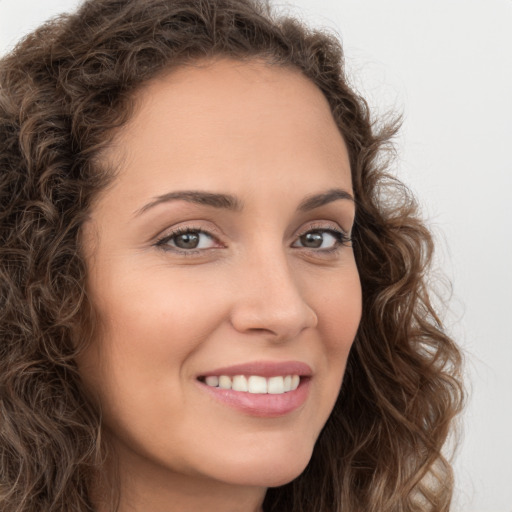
point(187, 240)
point(312, 239)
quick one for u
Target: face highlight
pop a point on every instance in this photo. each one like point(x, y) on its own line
point(221, 266)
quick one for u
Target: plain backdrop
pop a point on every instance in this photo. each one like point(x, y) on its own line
point(447, 66)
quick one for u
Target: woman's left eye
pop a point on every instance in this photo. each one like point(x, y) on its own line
point(323, 239)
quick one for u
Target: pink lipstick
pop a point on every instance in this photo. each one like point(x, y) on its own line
point(259, 388)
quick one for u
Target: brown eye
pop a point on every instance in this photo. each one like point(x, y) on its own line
point(313, 240)
point(186, 240)
point(324, 239)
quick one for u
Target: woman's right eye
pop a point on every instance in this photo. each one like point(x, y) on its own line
point(187, 240)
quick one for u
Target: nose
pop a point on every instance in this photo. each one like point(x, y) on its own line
point(269, 301)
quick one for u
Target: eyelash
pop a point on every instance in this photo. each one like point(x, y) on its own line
point(342, 239)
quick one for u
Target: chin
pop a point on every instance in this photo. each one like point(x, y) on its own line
point(272, 471)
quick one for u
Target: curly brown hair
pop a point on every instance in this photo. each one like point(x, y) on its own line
point(64, 90)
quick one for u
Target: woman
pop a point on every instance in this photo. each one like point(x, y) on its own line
point(213, 297)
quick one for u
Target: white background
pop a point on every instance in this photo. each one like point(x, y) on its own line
point(447, 65)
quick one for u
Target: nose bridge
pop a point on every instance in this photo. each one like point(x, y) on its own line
point(269, 297)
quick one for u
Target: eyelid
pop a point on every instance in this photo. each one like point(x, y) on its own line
point(325, 226)
point(200, 225)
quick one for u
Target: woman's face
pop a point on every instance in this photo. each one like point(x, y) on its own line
point(220, 254)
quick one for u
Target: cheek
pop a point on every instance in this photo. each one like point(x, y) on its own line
point(339, 309)
point(138, 366)
point(153, 312)
point(149, 327)
point(339, 314)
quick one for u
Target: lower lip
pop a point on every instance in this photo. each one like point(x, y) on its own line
point(264, 405)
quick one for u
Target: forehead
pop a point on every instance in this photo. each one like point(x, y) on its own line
point(230, 87)
point(229, 120)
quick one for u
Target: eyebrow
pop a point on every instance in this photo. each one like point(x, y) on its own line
point(233, 203)
point(316, 200)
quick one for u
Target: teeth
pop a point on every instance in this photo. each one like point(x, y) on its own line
point(240, 383)
point(212, 381)
point(255, 383)
point(275, 385)
point(224, 382)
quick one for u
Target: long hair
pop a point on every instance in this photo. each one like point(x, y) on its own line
point(64, 91)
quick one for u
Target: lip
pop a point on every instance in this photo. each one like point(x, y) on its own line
point(261, 405)
point(263, 369)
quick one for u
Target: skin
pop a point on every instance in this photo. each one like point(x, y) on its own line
point(254, 290)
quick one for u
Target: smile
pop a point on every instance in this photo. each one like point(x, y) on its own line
point(256, 384)
point(266, 389)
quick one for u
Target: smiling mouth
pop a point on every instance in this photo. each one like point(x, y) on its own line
point(255, 384)
point(264, 389)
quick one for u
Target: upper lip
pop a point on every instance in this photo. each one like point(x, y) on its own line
point(264, 369)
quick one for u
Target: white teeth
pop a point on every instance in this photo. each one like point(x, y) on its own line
point(212, 381)
point(240, 383)
point(224, 382)
point(276, 385)
point(255, 384)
